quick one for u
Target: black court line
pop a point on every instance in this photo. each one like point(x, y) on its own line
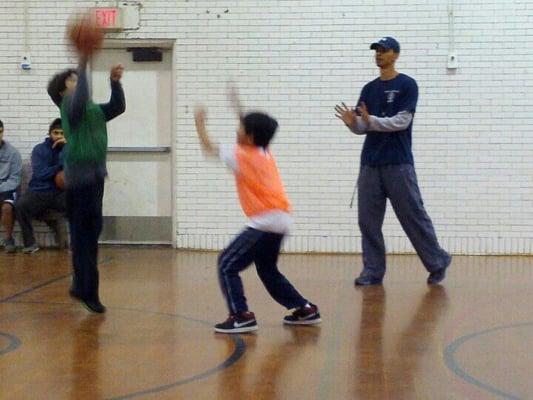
point(31, 289)
point(13, 343)
point(240, 346)
point(104, 261)
point(238, 352)
point(452, 364)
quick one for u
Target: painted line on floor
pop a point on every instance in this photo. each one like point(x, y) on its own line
point(13, 343)
point(104, 261)
point(238, 352)
point(451, 362)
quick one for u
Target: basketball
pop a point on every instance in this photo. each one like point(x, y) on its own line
point(59, 180)
point(85, 35)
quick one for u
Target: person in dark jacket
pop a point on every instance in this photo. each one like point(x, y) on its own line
point(42, 193)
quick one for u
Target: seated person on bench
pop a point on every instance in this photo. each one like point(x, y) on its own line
point(42, 193)
point(10, 174)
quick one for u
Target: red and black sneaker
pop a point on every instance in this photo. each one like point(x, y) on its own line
point(238, 323)
point(306, 315)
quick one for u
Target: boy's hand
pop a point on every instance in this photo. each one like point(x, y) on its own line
point(116, 72)
point(199, 119)
point(83, 61)
point(59, 142)
point(234, 100)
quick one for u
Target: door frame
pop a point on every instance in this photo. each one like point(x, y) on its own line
point(122, 44)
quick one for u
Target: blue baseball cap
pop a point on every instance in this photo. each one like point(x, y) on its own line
point(386, 42)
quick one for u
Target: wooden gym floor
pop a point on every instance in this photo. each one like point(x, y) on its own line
point(470, 338)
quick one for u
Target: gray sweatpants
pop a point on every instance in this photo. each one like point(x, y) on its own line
point(397, 183)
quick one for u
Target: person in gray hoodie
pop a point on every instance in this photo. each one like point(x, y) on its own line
point(10, 175)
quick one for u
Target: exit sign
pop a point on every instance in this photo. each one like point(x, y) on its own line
point(108, 18)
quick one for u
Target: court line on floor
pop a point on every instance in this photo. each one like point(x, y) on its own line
point(104, 261)
point(33, 288)
point(238, 352)
point(240, 346)
point(12, 344)
point(467, 314)
point(452, 364)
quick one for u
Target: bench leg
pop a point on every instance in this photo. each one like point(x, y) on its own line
point(59, 227)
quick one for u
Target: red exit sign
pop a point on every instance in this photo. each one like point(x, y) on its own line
point(108, 18)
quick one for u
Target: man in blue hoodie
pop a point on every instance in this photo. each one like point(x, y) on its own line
point(10, 173)
point(384, 114)
point(42, 193)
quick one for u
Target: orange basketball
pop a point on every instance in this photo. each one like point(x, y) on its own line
point(85, 35)
point(59, 180)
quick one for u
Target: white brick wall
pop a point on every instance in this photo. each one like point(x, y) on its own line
point(473, 138)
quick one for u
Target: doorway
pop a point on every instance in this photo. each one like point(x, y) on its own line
point(138, 199)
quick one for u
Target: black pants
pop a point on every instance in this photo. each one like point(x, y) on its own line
point(32, 205)
point(84, 212)
point(261, 248)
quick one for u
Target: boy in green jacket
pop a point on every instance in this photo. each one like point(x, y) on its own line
point(84, 124)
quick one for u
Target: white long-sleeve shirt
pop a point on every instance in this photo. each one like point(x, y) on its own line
point(397, 123)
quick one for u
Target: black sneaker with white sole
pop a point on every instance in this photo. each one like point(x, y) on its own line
point(306, 315)
point(30, 249)
point(92, 305)
point(238, 323)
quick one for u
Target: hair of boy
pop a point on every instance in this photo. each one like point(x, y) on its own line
point(56, 124)
point(1, 124)
point(261, 127)
point(57, 85)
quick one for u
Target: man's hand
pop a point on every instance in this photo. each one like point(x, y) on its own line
point(346, 114)
point(59, 142)
point(363, 112)
point(116, 72)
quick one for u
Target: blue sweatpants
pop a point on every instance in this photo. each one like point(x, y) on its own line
point(398, 183)
point(261, 248)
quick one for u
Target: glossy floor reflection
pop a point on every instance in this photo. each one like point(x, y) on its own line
point(467, 339)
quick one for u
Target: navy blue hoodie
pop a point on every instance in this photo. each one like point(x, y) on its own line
point(46, 162)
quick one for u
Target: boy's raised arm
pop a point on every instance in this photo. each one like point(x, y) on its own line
point(235, 101)
point(117, 103)
point(76, 105)
point(207, 146)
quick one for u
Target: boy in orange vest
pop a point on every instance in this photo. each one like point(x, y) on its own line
point(263, 200)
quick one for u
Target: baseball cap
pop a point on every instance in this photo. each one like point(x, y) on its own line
point(386, 42)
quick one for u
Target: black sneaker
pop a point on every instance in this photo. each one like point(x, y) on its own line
point(30, 249)
point(365, 280)
point(93, 306)
point(238, 323)
point(438, 276)
point(9, 246)
point(307, 315)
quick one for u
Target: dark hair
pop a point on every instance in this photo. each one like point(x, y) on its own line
point(57, 85)
point(56, 123)
point(1, 124)
point(261, 127)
